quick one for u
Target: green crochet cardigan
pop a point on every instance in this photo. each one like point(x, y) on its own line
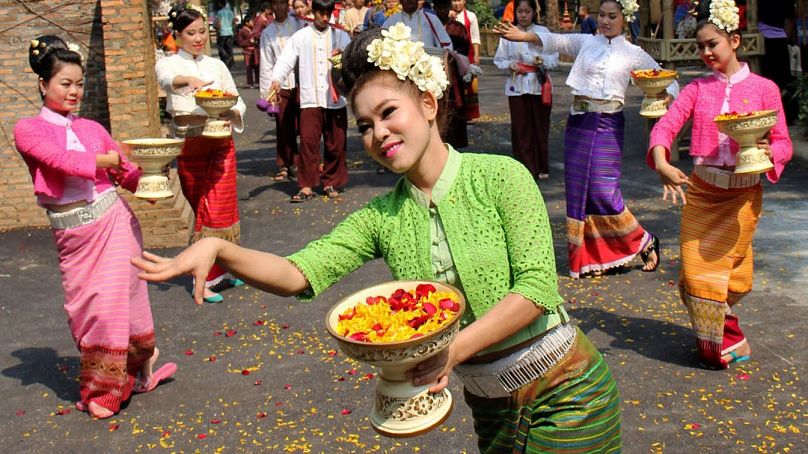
point(496, 225)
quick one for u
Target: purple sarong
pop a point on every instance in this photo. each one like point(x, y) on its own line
point(601, 232)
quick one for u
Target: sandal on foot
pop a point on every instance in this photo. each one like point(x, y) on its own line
point(282, 175)
point(235, 282)
point(736, 358)
point(301, 197)
point(331, 192)
point(646, 254)
point(158, 376)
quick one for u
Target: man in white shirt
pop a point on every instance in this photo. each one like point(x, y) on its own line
point(273, 40)
point(322, 109)
point(426, 27)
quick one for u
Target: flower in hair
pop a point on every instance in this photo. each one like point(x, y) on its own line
point(407, 59)
point(629, 8)
point(75, 48)
point(34, 43)
point(198, 8)
point(724, 14)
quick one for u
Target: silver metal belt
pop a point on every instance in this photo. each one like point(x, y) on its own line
point(725, 179)
point(84, 215)
point(504, 376)
point(584, 104)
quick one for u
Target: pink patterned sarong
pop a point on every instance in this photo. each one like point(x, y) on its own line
point(107, 305)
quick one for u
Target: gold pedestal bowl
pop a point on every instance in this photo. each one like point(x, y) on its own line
point(401, 409)
point(152, 155)
point(214, 103)
point(747, 129)
point(653, 83)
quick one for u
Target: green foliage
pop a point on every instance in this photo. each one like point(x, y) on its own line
point(485, 16)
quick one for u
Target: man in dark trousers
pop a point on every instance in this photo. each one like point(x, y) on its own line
point(776, 24)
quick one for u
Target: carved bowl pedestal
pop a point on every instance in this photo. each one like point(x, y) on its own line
point(213, 106)
point(653, 104)
point(401, 409)
point(747, 130)
point(152, 155)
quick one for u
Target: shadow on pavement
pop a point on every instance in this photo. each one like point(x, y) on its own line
point(654, 339)
point(44, 366)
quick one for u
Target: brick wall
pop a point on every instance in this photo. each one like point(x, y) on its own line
point(120, 92)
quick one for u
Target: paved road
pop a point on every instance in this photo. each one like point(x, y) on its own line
point(301, 395)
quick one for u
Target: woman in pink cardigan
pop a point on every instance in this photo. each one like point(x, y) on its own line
point(73, 163)
point(721, 211)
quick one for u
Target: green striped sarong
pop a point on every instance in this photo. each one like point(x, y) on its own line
point(573, 412)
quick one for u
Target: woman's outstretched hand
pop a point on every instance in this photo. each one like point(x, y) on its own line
point(435, 369)
point(196, 260)
point(672, 180)
point(509, 31)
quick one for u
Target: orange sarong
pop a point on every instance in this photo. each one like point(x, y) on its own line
point(716, 249)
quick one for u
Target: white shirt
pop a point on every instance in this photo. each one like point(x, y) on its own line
point(273, 40)
point(474, 26)
point(310, 48)
point(602, 67)
point(180, 101)
point(433, 35)
point(520, 52)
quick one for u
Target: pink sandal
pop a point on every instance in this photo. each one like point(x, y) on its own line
point(161, 374)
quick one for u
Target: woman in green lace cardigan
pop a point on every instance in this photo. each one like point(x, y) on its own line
point(475, 221)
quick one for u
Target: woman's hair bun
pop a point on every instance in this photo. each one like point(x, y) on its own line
point(182, 15)
point(355, 58)
point(41, 47)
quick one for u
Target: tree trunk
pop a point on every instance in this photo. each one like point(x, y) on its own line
point(551, 15)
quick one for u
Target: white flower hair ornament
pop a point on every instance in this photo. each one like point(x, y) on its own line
point(629, 8)
point(75, 48)
point(724, 15)
point(407, 59)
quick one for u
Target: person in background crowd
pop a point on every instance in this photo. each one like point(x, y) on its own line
point(507, 13)
point(249, 50)
point(262, 19)
point(339, 9)
point(528, 67)
point(381, 10)
point(469, 21)
point(322, 109)
point(426, 27)
point(588, 24)
point(602, 233)
point(225, 24)
point(75, 165)
point(302, 10)
point(207, 166)
point(776, 20)
point(353, 18)
point(273, 41)
point(455, 132)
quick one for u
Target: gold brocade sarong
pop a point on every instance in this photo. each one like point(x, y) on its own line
point(716, 249)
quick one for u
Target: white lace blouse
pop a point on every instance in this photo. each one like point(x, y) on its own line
point(602, 67)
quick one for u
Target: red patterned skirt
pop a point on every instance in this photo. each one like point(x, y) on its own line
point(207, 171)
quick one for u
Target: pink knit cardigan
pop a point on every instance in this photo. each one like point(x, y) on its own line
point(43, 147)
point(702, 100)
